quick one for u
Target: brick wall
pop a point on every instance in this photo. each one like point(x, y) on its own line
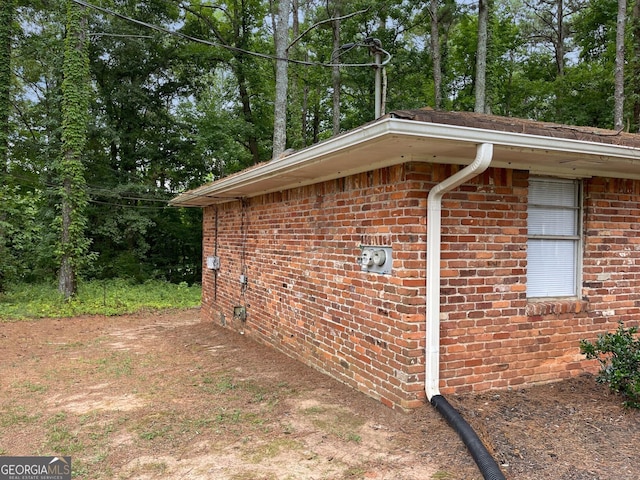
point(307, 296)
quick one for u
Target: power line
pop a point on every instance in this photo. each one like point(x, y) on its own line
point(222, 45)
point(92, 190)
point(124, 205)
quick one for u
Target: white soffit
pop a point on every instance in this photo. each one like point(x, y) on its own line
point(393, 141)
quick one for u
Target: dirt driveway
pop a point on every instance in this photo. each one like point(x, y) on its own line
point(168, 396)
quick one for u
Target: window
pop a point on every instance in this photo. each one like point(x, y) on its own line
point(554, 241)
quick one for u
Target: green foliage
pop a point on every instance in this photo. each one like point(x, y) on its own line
point(595, 27)
point(166, 114)
point(619, 357)
point(108, 297)
point(73, 246)
point(26, 254)
point(6, 38)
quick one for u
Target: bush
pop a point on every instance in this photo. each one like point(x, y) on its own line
point(619, 357)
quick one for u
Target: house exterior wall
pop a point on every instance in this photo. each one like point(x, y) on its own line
point(307, 296)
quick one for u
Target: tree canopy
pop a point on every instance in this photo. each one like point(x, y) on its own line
point(179, 92)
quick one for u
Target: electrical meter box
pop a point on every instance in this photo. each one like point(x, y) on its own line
point(213, 263)
point(375, 259)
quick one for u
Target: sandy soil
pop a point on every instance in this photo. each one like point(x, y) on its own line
point(167, 395)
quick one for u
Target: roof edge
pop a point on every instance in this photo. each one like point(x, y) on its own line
point(389, 125)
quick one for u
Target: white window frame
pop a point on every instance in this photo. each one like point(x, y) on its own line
point(548, 276)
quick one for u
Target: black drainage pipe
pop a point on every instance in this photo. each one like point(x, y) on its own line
point(487, 465)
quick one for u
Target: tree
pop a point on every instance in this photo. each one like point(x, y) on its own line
point(281, 38)
point(6, 26)
point(73, 246)
point(435, 53)
point(546, 24)
point(167, 114)
point(618, 96)
point(7, 8)
point(235, 25)
point(635, 63)
point(335, 59)
point(481, 57)
point(595, 36)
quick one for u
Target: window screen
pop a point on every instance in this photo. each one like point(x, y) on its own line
point(554, 238)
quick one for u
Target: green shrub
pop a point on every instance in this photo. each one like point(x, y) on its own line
point(619, 357)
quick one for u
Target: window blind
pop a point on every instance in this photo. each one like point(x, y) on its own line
point(554, 238)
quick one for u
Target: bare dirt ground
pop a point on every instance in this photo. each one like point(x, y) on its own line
point(168, 396)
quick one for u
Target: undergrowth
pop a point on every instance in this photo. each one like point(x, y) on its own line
point(98, 297)
point(619, 356)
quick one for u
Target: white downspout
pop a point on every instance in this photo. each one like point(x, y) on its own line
point(484, 154)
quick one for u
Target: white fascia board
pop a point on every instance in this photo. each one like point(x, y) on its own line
point(315, 154)
point(512, 139)
point(290, 163)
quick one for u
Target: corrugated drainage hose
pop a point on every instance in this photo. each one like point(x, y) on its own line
point(487, 465)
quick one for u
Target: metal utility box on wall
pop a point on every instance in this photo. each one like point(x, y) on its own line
point(240, 312)
point(213, 263)
point(375, 259)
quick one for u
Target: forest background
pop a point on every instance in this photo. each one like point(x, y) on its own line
point(165, 95)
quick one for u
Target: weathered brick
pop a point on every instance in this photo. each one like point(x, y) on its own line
point(307, 296)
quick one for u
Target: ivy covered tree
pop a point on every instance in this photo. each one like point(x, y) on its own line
point(7, 8)
point(73, 246)
point(6, 26)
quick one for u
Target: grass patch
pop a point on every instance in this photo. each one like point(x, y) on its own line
point(440, 475)
point(32, 387)
point(271, 450)
point(173, 425)
point(335, 421)
point(60, 439)
point(250, 475)
point(98, 297)
point(13, 416)
point(255, 392)
point(117, 364)
point(354, 472)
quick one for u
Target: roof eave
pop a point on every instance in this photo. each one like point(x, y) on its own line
point(392, 141)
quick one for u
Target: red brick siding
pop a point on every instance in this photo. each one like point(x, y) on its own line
point(307, 296)
point(485, 329)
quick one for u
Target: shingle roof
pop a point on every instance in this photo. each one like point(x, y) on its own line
point(518, 125)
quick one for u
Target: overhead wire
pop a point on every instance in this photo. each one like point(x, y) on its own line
point(222, 45)
point(124, 205)
point(219, 45)
point(98, 192)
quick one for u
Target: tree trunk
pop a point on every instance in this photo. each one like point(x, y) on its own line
point(75, 88)
point(635, 82)
point(618, 108)
point(481, 57)
point(435, 54)
point(295, 10)
point(335, 71)
point(560, 37)
point(247, 112)
point(304, 114)
point(67, 284)
point(282, 80)
point(6, 30)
